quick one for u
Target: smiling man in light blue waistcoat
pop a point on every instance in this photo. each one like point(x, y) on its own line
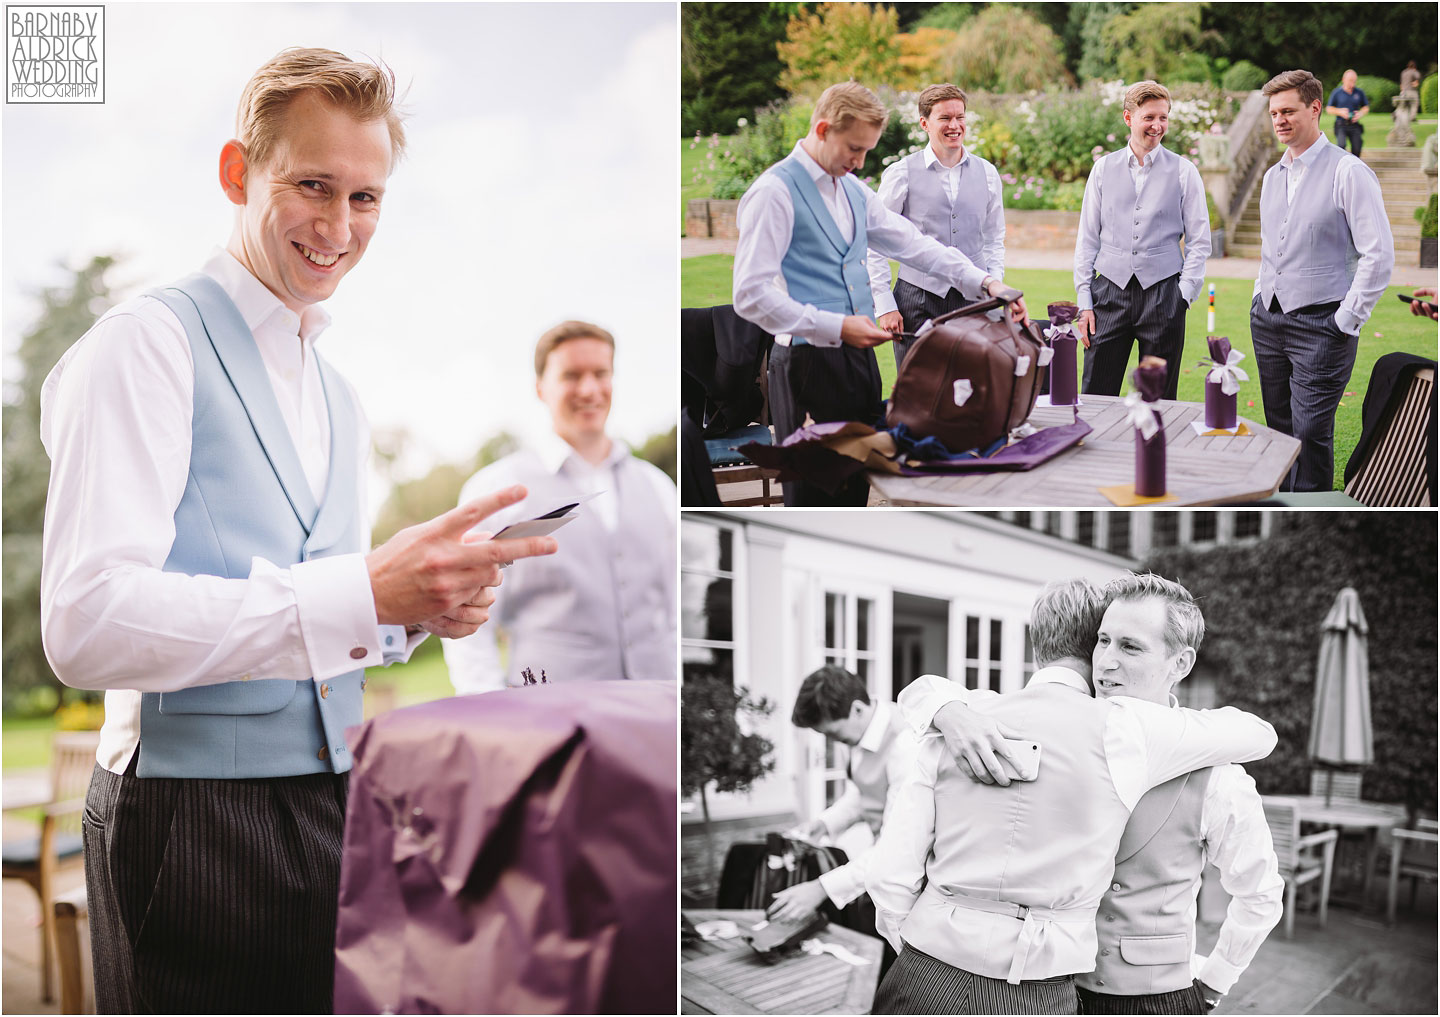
point(205, 563)
point(1326, 254)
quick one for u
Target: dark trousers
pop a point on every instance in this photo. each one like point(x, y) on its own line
point(918, 983)
point(916, 307)
point(1354, 133)
point(213, 896)
point(828, 384)
point(1304, 361)
point(1155, 316)
point(1187, 1000)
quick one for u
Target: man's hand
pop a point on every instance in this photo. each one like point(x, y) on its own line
point(1017, 309)
point(1212, 997)
point(1086, 326)
point(1419, 311)
point(428, 571)
point(975, 740)
point(813, 830)
point(463, 620)
point(797, 902)
point(891, 322)
point(858, 330)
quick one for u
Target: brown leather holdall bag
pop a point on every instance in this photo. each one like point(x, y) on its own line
point(969, 380)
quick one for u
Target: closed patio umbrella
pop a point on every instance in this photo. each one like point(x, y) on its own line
point(1340, 733)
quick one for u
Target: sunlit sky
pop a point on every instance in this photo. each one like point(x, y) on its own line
point(538, 185)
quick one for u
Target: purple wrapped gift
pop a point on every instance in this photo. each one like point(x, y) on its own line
point(1149, 381)
point(513, 852)
point(1063, 390)
point(1220, 405)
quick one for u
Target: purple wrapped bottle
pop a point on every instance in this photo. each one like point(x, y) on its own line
point(1220, 404)
point(1148, 380)
point(1063, 388)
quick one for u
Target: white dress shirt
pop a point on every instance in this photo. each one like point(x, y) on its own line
point(766, 218)
point(1193, 213)
point(847, 882)
point(1145, 745)
point(1237, 842)
point(1356, 192)
point(115, 419)
point(474, 661)
point(895, 185)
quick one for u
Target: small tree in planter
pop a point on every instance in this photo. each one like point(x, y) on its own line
point(1217, 228)
point(715, 749)
point(1427, 217)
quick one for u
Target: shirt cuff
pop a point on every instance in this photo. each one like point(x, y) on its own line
point(396, 644)
point(337, 615)
point(1083, 300)
point(1219, 973)
point(1347, 322)
point(827, 329)
point(841, 886)
point(884, 302)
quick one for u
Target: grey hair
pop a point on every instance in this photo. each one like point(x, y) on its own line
point(1184, 624)
point(1065, 619)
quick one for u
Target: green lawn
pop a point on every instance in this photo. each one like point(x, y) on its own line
point(706, 281)
point(1377, 126)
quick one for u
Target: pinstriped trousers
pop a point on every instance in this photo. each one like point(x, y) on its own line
point(1187, 1000)
point(1304, 362)
point(213, 896)
point(918, 983)
point(1155, 316)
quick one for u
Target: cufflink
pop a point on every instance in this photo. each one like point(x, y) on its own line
point(358, 653)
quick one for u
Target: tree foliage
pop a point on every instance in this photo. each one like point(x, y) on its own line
point(716, 749)
point(728, 63)
point(839, 42)
point(1264, 605)
point(1157, 41)
point(1006, 49)
point(67, 313)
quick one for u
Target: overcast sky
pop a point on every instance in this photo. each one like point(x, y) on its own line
point(539, 184)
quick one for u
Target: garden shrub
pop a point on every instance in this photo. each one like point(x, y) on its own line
point(1427, 97)
point(1244, 76)
point(1005, 48)
point(1427, 217)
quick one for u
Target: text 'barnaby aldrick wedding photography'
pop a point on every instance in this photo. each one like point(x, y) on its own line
point(54, 54)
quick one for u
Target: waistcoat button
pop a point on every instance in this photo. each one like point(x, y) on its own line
point(324, 692)
point(322, 753)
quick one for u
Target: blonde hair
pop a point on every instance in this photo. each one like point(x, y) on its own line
point(1065, 620)
point(1184, 624)
point(847, 102)
point(1142, 92)
point(564, 332)
point(939, 93)
point(365, 91)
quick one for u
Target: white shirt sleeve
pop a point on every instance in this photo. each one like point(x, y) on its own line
point(847, 882)
point(1147, 744)
point(1237, 842)
point(905, 841)
point(992, 248)
point(1196, 218)
point(116, 423)
point(894, 185)
point(766, 219)
point(921, 700)
point(1087, 241)
point(1357, 192)
point(895, 236)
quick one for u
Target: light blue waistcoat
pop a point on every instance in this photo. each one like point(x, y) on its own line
point(1307, 255)
point(246, 496)
point(1140, 237)
point(819, 267)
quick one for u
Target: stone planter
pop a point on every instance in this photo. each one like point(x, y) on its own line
point(1427, 252)
point(1217, 242)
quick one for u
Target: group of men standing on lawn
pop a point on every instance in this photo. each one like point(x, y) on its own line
point(811, 261)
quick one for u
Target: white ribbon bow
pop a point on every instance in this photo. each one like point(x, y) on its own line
point(1056, 331)
point(1142, 415)
point(1229, 374)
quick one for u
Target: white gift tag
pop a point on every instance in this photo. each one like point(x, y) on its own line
point(1022, 366)
point(963, 391)
point(1046, 355)
point(927, 326)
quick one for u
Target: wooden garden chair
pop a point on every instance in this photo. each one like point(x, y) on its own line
point(1302, 859)
point(1413, 855)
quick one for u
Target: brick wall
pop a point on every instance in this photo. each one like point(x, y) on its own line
point(1030, 229)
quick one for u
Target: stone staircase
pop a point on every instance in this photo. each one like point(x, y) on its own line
point(1404, 187)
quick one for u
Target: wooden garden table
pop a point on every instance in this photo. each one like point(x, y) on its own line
point(1369, 817)
point(728, 977)
point(1199, 471)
